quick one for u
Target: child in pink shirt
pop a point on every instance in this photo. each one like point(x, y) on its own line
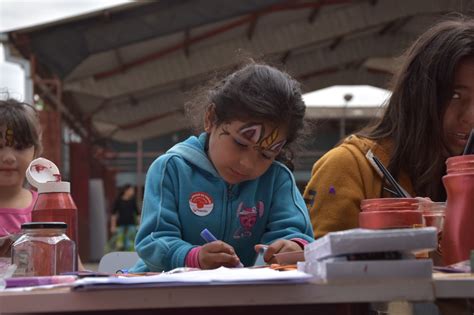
point(12, 218)
point(20, 143)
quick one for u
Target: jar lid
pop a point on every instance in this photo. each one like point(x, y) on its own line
point(43, 225)
point(389, 204)
point(45, 176)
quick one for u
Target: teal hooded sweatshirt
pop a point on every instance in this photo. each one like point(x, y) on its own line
point(184, 194)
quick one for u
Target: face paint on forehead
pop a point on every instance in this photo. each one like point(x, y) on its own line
point(252, 131)
point(269, 143)
point(255, 132)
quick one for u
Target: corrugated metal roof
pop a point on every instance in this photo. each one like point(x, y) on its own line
point(127, 71)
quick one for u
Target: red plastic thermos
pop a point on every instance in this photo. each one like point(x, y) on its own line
point(54, 203)
point(458, 236)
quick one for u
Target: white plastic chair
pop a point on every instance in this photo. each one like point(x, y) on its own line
point(114, 261)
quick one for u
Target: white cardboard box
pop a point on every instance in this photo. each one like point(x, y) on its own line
point(367, 241)
point(360, 270)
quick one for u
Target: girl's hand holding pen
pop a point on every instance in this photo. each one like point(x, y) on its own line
point(279, 246)
point(216, 254)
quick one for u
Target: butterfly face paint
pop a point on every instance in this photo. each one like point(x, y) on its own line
point(241, 151)
point(254, 132)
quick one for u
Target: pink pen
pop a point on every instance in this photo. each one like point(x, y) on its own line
point(35, 281)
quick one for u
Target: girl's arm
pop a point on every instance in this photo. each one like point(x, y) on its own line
point(159, 239)
point(335, 190)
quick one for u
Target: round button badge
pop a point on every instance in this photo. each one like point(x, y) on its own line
point(201, 203)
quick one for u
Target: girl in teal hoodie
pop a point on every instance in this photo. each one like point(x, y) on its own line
point(232, 179)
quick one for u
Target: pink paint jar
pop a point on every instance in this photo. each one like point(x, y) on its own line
point(458, 235)
point(388, 213)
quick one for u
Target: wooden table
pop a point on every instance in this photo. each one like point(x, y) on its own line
point(235, 299)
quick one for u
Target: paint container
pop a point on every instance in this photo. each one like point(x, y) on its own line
point(54, 202)
point(44, 250)
point(389, 213)
point(458, 240)
point(433, 215)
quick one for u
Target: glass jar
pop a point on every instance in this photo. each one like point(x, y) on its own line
point(433, 215)
point(44, 250)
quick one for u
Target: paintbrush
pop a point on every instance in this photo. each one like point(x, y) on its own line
point(469, 145)
point(400, 192)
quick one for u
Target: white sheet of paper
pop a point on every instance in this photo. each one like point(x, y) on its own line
point(219, 275)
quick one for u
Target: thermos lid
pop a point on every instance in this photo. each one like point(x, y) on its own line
point(45, 176)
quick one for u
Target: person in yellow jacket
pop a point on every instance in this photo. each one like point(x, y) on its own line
point(428, 118)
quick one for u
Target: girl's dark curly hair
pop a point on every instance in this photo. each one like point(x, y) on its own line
point(255, 92)
point(422, 89)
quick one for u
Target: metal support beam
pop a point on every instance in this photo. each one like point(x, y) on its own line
point(312, 16)
point(139, 171)
point(285, 57)
point(186, 42)
point(252, 26)
point(57, 103)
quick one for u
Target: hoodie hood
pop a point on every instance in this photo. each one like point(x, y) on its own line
point(193, 150)
point(380, 149)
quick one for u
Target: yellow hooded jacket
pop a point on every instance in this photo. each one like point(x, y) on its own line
point(341, 179)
